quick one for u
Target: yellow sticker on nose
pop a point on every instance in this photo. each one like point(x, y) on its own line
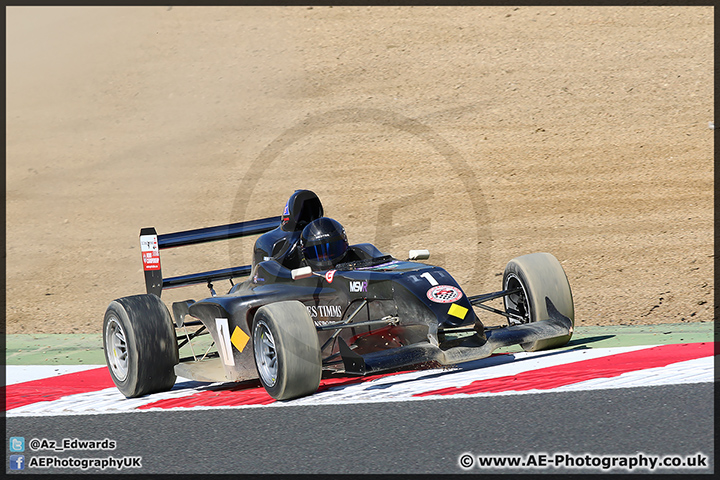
point(239, 338)
point(457, 311)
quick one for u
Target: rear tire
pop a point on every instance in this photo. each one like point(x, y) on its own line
point(140, 345)
point(540, 276)
point(287, 350)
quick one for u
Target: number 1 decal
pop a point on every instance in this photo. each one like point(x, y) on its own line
point(224, 345)
point(428, 276)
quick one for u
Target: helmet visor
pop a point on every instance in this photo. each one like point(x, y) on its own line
point(325, 252)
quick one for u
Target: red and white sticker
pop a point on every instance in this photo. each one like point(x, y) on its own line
point(329, 275)
point(444, 294)
point(150, 252)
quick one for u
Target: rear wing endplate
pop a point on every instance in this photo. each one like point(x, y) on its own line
point(151, 243)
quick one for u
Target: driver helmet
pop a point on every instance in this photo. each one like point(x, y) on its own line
point(324, 243)
point(302, 207)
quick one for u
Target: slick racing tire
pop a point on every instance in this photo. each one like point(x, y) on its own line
point(287, 350)
point(140, 345)
point(541, 278)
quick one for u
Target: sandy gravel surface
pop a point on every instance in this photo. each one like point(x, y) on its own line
point(480, 133)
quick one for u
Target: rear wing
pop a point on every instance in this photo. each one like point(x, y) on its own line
point(151, 243)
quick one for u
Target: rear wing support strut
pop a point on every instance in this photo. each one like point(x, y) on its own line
point(151, 243)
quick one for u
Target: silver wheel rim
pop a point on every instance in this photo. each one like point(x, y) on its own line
point(265, 353)
point(117, 352)
point(517, 301)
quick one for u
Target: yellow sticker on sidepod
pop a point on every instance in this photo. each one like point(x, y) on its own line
point(457, 311)
point(239, 338)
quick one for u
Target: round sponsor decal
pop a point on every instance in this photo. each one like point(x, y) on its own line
point(444, 294)
point(329, 275)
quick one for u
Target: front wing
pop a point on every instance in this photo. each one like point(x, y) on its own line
point(557, 325)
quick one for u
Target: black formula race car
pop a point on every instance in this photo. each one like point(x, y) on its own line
point(312, 303)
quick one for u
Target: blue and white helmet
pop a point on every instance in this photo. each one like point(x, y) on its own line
point(324, 243)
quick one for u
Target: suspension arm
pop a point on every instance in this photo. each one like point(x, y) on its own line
point(477, 299)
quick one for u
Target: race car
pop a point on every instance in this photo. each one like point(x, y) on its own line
point(311, 304)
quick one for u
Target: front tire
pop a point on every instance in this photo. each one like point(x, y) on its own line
point(287, 350)
point(539, 276)
point(141, 349)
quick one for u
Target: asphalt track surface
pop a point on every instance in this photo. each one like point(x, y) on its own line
point(401, 438)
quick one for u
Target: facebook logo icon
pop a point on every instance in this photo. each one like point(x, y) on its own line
point(17, 462)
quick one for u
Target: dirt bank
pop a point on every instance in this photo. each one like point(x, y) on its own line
point(481, 133)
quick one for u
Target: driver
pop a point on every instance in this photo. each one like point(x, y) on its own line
point(324, 243)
